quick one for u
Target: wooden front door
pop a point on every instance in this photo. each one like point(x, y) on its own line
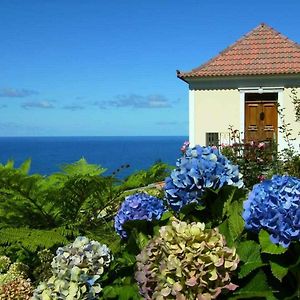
point(261, 119)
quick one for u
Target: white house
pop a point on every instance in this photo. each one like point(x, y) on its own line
point(242, 87)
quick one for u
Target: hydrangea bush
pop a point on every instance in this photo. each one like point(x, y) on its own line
point(14, 282)
point(140, 206)
point(76, 269)
point(12, 270)
point(4, 263)
point(274, 205)
point(186, 261)
point(199, 168)
point(17, 289)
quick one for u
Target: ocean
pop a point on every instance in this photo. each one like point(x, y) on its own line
point(49, 153)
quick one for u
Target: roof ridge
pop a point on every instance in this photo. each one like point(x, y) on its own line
point(228, 47)
point(265, 26)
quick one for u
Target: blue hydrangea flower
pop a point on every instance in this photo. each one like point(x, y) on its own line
point(199, 168)
point(140, 206)
point(274, 205)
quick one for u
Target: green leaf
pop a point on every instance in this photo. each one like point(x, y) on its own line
point(81, 167)
point(278, 270)
point(123, 292)
point(235, 222)
point(249, 253)
point(227, 195)
point(166, 216)
point(224, 229)
point(32, 239)
point(25, 167)
point(109, 292)
point(10, 164)
point(142, 240)
point(127, 259)
point(256, 287)
point(267, 246)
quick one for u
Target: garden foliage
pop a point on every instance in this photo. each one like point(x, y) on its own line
point(205, 236)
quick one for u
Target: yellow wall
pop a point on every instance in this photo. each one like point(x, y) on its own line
point(289, 112)
point(214, 111)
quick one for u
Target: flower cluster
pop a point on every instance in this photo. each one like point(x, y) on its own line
point(14, 282)
point(140, 206)
point(185, 146)
point(5, 262)
point(18, 288)
point(76, 269)
point(186, 261)
point(274, 205)
point(13, 271)
point(199, 168)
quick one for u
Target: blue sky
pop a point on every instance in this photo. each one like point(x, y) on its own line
point(95, 67)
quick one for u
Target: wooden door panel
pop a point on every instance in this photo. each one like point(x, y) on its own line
point(251, 117)
point(260, 121)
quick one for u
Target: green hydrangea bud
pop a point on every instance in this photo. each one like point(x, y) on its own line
point(4, 263)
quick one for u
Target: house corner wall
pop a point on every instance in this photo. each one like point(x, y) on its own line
point(214, 111)
point(192, 118)
point(286, 102)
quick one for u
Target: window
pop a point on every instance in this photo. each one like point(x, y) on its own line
point(212, 139)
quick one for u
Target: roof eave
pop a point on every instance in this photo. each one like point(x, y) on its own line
point(181, 76)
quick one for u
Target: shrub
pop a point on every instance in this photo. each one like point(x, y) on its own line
point(186, 261)
point(42, 271)
point(199, 168)
point(76, 271)
point(274, 205)
point(140, 206)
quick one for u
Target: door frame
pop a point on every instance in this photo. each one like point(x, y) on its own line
point(260, 90)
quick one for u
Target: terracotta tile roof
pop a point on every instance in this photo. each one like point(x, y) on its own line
point(263, 51)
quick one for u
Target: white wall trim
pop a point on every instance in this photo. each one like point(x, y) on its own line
point(242, 114)
point(261, 89)
point(192, 120)
point(280, 142)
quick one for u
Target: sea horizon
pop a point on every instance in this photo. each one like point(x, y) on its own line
point(49, 153)
point(65, 136)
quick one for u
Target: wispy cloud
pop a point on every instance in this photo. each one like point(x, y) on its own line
point(16, 93)
point(136, 101)
point(8, 125)
point(73, 107)
point(45, 104)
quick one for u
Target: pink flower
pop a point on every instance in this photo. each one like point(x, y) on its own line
point(185, 146)
point(261, 178)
